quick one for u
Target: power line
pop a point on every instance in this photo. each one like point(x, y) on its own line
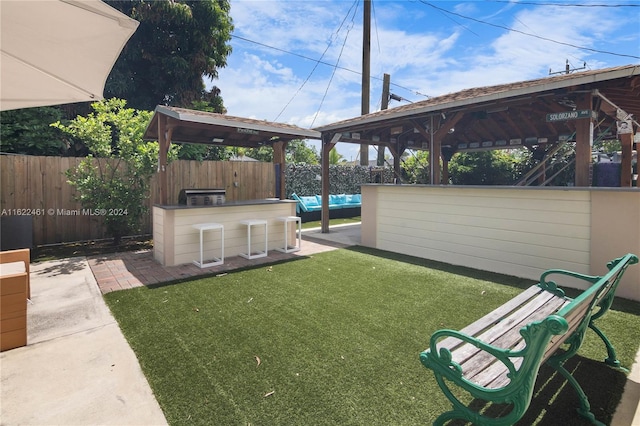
point(531, 3)
point(527, 34)
point(319, 61)
point(335, 67)
point(331, 39)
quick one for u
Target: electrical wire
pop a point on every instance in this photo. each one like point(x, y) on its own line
point(334, 69)
point(531, 3)
point(331, 39)
point(319, 61)
point(527, 34)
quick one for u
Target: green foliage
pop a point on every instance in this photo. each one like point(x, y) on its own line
point(199, 152)
point(334, 156)
point(297, 151)
point(304, 179)
point(415, 168)
point(482, 168)
point(263, 153)
point(608, 146)
point(176, 44)
point(114, 179)
point(28, 131)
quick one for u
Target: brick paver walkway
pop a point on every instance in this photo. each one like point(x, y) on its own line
point(119, 271)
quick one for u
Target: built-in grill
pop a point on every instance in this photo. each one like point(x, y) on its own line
point(201, 197)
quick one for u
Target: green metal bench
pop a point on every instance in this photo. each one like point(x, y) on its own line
point(497, 358)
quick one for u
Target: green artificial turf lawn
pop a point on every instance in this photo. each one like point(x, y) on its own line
point(334, 339)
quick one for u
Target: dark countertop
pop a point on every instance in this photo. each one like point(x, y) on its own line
point(227, 204)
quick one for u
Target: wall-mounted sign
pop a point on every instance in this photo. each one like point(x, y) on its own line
point(625, 127)
point(569, 115)
point(247, 131)
point(517, 141)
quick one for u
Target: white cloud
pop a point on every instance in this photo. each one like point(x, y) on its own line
point(423, 49)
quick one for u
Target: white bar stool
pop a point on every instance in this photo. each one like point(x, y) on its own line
point(250, 223)
point(215, 260)
point(287, 220)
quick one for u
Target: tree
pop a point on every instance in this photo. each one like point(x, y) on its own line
point(298, 152)
point(334, 156)
point(415, 168)
point(176, 44)
point(200, 152)
point(482, 168)
point(113, 181)
point(28, 131)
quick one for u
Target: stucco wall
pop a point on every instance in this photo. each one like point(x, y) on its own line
point(514, 231)
point(615, 223)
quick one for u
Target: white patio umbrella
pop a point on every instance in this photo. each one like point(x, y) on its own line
point(58, 51)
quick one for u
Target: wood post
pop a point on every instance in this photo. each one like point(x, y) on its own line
point(626, 140)
point(584, 142)
point(162, 157)
point(280, 158)
point(327, 146)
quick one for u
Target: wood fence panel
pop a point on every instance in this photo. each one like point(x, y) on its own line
point(37, 189)
point(32, 182)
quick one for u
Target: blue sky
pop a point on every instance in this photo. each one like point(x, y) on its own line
point(429, 48)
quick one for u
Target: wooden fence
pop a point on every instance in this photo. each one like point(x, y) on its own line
point(38, 185)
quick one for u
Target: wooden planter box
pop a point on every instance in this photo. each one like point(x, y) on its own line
point(14, 292)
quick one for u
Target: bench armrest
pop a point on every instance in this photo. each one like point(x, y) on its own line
point(552, 287)
point(444, 354)
point(536, 337)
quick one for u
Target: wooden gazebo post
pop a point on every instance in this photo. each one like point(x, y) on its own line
point(626, 140)
point(162, 157)
point(327, 146)
point(279, 159)
point(584, 142)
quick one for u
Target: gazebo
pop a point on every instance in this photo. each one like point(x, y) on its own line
point(178, 125)
point(537, 114)
point(513, 230)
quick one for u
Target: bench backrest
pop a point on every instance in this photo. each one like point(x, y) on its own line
point(594, 300)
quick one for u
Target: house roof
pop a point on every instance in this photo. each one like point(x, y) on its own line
point(191, 126)
point(500, 113)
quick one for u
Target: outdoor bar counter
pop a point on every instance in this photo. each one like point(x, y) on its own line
point(510, 230)
point(176, 241)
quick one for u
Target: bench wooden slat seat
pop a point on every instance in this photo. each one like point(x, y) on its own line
point(497, 358)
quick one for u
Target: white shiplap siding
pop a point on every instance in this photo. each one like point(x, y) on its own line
point(509, 231)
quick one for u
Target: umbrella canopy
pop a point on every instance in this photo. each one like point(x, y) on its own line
point(58, 52)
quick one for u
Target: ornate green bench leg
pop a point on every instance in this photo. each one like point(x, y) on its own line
point(612, 357)
point(463, 412)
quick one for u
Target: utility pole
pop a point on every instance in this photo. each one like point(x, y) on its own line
point(366, 73)
point(568, 69)
point(386, 82)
